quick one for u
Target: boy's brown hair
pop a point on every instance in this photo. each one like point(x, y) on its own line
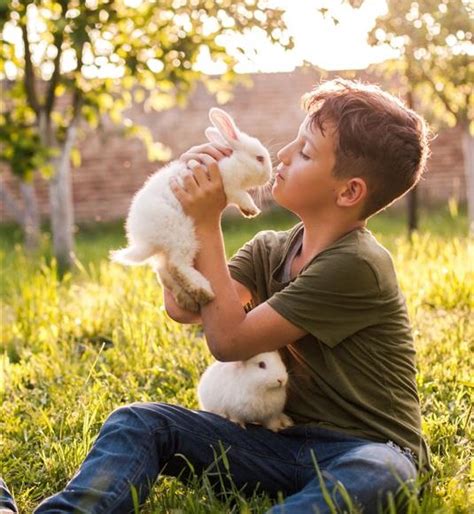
point(378, 138)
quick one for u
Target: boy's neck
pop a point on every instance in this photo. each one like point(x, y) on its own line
point(319, 236)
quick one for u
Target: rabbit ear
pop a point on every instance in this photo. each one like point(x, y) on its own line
point(215, 136)
point(224, 124)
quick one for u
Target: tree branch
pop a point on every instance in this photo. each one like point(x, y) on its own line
point(58, 43)
point(440, 94)
point(29, 76)
point(76, 106)
point(77, 99)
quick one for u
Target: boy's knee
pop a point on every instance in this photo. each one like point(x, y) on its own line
point(375, 472)
point(139, 415)
point(393, 467)
point(385, 465)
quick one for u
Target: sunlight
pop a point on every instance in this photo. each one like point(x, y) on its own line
point(318, 41)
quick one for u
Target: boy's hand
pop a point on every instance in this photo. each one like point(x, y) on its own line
point(202, 195)
point(199, 152)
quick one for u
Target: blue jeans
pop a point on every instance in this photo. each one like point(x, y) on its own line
point(142, 440)
point(6, 499)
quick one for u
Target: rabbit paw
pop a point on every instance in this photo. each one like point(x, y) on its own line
point(230, 418)
point(195, 289)
point(203, 296)
point(279, 423)
point(238, 421)
point(250, 213)
point(192, 301)
point(186, 302)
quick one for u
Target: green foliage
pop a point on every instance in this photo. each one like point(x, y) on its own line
point(76, 348)
point(20, 144)
point(101, 55)
point(434, 38)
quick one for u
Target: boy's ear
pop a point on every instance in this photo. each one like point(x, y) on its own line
point(353, 193)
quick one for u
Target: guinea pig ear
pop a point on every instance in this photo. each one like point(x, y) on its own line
point(224, 124)
point(215, 136)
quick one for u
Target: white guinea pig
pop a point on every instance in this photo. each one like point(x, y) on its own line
point(161, 234)
point(252, 391)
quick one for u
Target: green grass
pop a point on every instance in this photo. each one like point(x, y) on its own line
point(76, 348)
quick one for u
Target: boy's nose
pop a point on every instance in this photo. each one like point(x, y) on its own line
point(283, 154)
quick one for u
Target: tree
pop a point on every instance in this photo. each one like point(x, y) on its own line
point(434, 38)
point(22, 150)
point(100, 55)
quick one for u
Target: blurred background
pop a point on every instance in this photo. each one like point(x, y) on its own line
point(96, 95)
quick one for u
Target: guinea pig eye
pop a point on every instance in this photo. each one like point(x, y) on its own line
point(262, 365)
point(260, 158)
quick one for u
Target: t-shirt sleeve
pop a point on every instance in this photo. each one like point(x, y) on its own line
point(242, 264)
point(335, 297)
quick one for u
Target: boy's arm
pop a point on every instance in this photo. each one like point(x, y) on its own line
point(181, 315)
point(231, 333)
point(177, 313)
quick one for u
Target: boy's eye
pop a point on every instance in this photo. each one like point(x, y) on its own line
point(305, 157)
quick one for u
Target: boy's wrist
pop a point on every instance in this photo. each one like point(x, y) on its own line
point(208, 227)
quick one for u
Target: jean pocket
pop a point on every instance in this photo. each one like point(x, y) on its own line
point(405, 451)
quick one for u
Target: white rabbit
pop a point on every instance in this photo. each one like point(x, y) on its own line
point(159, 232)
point(251, 391)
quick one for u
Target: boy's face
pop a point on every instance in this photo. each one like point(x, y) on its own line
point(304, 182)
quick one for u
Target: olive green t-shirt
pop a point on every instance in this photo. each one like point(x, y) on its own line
point(355, 369)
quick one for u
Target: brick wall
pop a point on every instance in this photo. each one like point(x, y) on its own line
point(113, 168)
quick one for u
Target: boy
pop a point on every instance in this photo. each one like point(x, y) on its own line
point(325, 295)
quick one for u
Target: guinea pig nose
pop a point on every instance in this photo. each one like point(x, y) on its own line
point(280, 381)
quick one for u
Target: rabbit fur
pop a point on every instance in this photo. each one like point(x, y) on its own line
point(161, 234)
point(251, 391)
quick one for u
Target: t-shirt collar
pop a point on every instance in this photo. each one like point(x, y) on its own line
point(293, 244)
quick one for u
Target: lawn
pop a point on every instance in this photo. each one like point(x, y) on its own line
point(77, 347)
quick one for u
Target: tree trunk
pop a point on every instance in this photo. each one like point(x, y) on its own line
point(412, 198)
point(11, 205)
point(31, 217)
point(468, 151)
point(28, 217)
point(62, 211)
point(412, 203)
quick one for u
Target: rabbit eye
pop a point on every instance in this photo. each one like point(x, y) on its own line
point(260, 158)
point(262, 365)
